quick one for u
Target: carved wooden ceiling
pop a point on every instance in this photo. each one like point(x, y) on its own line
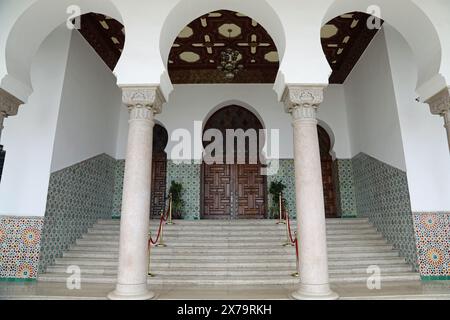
point(344, 40)
point(106, 35)
point(196, 53)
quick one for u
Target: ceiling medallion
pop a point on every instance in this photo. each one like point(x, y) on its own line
point(229, 61)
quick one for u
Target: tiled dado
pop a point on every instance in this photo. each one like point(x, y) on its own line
point(345, 188)
point(119, 172)
point(382, 195)
point(20, 239)
point(77, 197)
point(188, 174)
point(433, 245)
point(285, 174)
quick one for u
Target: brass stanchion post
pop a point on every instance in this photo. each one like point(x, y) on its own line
point(170, 222)
point(161, 237)
point(297, 266)
point(280, 208)
point(149, 273)
point(288, 239)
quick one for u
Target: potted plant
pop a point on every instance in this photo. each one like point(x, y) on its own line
point(276, 187)
point(176, 190)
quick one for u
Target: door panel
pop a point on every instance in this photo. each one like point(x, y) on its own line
point(251, 192)
point(159, 171)
point(233, 192)
point(218, 191)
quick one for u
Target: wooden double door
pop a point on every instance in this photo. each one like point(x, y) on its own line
point(233, 191)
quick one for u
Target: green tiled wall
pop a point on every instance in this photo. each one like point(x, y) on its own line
point(382, 195)
point(77, 197)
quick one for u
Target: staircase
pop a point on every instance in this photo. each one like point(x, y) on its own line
point(234, 252)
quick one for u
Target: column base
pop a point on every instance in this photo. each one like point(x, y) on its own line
point(131, 292)
point(315, 292)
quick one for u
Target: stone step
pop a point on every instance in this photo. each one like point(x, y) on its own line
point(218, 233)
point(218, 243)
point(236, 227)
point(241, 222)
point(242, 263)
point(230, 256)
point(235, 238)
point(223, 250)
point(231, 272)
point(226, 280)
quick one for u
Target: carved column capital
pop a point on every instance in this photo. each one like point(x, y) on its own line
point(9, 105)
point(302, 102)
point(440, 102)
point(143, 102)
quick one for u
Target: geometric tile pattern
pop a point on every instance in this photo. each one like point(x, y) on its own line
point(188, 174)
point(345, 188)
point(20, 239)
point(382, 195)
point(119, 172)
point(433, 244)
point(285, 174)
point(77, 197)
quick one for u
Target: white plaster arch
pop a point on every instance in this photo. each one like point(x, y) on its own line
point(241, 104)
point(232, 102)
point(331, 134)
point(185, 12)
point(32, 28)
point(417, 29)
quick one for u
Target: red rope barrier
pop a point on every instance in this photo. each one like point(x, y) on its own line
point(163, 219)
point(291, 238)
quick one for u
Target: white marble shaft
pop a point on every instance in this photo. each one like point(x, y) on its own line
point(302, 103)
point(143, 104)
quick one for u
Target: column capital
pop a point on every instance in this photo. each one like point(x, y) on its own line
point(302, 101)
point(9, 105)
point(148, 98)
point(440, 102)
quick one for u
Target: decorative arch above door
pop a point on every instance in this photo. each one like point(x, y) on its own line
point(233, 191)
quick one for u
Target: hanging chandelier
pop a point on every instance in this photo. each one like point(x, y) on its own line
point(229, 62)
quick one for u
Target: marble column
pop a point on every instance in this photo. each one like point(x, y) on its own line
point(440, 105)
point(143, 104)
point(302, 103)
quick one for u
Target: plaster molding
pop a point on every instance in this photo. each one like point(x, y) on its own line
point(440, 102)
point(9, 104)
point(143, 101)
point(302, 102)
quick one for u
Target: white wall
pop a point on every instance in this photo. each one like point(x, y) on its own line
point(72, 115)
point(28, 138)
point(372, 107)
point(90, 106)
point(425, 141)
point(189, 103)
point(333, 114)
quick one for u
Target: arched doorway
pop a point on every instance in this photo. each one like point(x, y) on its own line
point(329, 191)
point(237, 190)
point(159, 171)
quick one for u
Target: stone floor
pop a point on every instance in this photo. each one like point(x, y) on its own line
point(396, 291)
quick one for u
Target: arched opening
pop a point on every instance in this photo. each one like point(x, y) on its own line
point(66, 135)
point(372, 63)
point(233, 189)
point(329, 190)
point(421, 36)
point(159, 171)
